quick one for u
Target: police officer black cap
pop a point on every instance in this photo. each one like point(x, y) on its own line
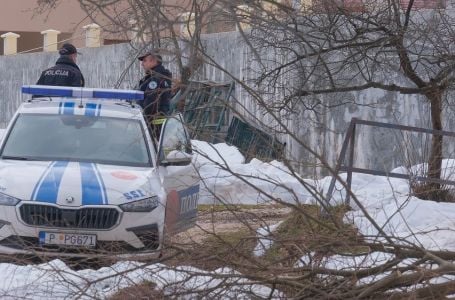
point(68, 49)
point(157, 56)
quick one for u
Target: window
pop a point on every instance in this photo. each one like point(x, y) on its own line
point(174, 137)
point(77, 138)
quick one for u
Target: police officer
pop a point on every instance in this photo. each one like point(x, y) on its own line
point(65, 72)
point(156, 85)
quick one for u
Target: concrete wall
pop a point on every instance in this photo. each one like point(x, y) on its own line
point(101, 67)
point(322, 131)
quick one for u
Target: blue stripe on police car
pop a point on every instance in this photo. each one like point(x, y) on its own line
point(47, 189)
point(68, 108)
point(93, 190)
point(92, 109)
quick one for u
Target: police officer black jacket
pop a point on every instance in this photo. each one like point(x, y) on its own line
point(156, 85)
point(64, 73)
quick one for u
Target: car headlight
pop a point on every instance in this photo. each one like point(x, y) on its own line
point(144, 205)
point(8, 200)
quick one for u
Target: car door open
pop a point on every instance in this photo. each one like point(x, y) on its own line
point(180, 177)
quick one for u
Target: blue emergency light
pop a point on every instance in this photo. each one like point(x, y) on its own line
point(80, 92)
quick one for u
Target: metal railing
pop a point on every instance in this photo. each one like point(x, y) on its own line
point(349, 142)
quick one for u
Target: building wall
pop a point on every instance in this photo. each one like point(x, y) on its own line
point(23, 17)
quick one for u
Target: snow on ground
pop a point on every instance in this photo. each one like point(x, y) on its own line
point(358, 263)
point(387, 200)
point(54, 280)
point(351, 263)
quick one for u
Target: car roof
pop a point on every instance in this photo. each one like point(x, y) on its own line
point(84, 106)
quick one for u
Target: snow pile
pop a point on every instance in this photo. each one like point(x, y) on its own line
point(227, 179)
point(216, 153)
point(398, 214)
point(355, 263)
point(54, 280)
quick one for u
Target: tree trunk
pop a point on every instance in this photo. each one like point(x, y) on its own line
point(435, 159)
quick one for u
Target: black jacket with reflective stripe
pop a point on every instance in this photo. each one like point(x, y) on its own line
point(156, 86)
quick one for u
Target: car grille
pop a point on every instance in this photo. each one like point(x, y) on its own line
point(86, 218)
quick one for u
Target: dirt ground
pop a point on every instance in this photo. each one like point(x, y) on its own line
point(224, 220)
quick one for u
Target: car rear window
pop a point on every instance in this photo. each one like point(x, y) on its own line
point(78, 138)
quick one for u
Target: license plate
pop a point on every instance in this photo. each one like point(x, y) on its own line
point(67, 239)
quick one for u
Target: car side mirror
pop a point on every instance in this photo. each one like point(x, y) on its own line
point(177, 158)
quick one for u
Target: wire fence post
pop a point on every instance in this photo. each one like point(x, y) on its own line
point(350, 163)
point(339, 164)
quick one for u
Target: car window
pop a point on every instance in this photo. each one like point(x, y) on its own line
point(174, 137)
point(78, 138)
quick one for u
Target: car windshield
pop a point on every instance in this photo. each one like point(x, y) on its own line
point(77, 138)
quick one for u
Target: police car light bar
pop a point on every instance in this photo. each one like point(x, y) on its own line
point(78, 92)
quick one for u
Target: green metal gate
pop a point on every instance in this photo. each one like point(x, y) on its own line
point(206, 110)
point(253, 142)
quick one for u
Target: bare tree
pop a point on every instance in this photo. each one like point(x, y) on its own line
point(337, 47)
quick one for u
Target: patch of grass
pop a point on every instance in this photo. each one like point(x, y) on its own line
point(233, 248)
point(227, 249)
point(305, 230)
point(233, 238)
point(433, 192)
point(145, 290)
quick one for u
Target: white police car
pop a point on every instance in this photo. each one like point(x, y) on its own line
point(81, 173)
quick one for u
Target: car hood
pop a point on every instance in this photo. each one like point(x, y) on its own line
point(76, 183)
